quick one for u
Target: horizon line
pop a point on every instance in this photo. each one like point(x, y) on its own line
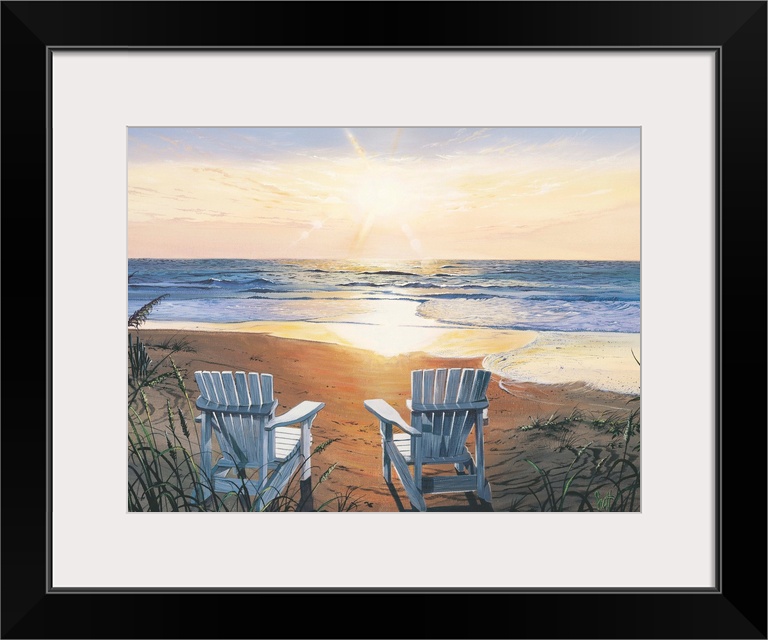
point(441, 259)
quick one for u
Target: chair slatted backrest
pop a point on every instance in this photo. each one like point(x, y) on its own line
point(444, 391)
point(237, 433)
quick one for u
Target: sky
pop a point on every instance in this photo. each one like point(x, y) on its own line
point(384, 193)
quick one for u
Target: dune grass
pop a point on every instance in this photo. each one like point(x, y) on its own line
point(596, 479)
point(163, 469)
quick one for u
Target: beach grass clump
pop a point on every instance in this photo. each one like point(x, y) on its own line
point(597, 478)
point(559, 428)
point(163, 473)
point(555, 422)
point(139, 317)
point(143, 372)
point(163, 469)
point(174, 344)
point(554, 496)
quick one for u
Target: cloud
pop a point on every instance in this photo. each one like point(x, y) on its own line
point(270, 187)
point(462, 137)
point(598, 192)
point(234, 186)
point(206, 212)
point(178, 197)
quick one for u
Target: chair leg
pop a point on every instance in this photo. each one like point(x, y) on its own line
point(419, 505)
point(485, 492)
point(202, 495)
point(478, 462)
point(466, 467)
point(386, 461)
point(386, 468)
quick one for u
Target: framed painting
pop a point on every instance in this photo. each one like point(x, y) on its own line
point(492, 273)
point(370, 230)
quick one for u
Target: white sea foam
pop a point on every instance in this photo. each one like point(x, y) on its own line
point(602, 360)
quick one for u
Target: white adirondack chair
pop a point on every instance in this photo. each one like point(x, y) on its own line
point(445, 405)
point(240, 410)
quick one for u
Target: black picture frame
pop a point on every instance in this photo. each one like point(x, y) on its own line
point(736, 608)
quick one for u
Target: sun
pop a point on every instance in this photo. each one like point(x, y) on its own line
point(383, 198)
point(383, 192)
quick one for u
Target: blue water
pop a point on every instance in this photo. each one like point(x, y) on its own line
point(544, 295)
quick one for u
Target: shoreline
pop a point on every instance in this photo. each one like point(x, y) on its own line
point(602, 360)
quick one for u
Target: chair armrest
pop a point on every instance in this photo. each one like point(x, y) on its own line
point(384, 412)
point(301, 412)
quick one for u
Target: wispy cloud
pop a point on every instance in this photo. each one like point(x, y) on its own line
point(597, 192)
point(463, 137)
point(206, 212)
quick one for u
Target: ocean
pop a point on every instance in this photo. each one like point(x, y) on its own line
point(539, 295)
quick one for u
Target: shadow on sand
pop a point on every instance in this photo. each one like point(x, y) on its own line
point(473, 504)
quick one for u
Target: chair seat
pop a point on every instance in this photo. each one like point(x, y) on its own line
point(287, 440)
point(403, 444)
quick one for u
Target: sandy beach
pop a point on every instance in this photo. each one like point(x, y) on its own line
point(524, 417)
